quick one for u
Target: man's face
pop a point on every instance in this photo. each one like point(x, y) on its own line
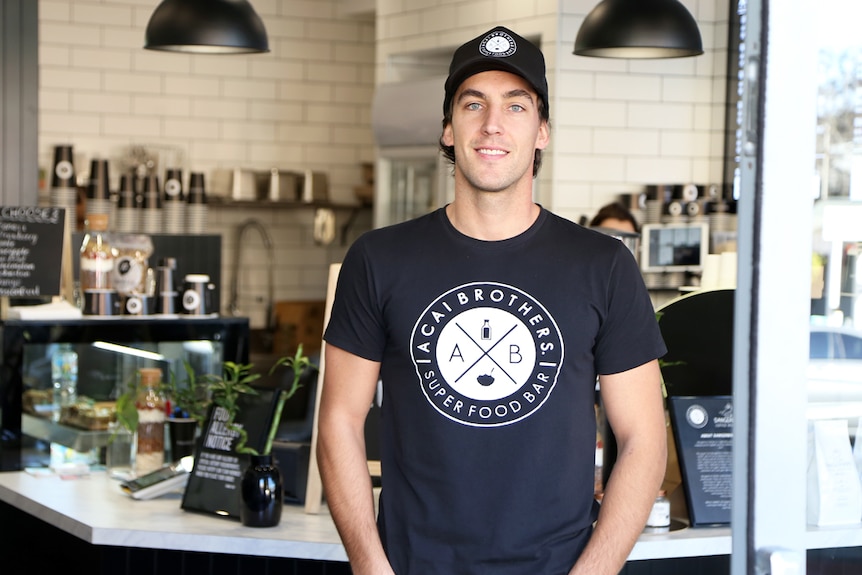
point(495, 130)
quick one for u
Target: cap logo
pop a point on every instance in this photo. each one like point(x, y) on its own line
point(497, 44)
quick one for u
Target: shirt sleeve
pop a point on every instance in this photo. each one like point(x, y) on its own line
point(629, 335)
point(356, 323)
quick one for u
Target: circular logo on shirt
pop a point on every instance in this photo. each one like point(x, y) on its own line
point(486, 354)
point(498, 45)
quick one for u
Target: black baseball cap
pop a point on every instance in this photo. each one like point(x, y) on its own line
point(498, 49)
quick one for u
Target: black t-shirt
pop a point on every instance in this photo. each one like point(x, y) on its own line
point(489, 353)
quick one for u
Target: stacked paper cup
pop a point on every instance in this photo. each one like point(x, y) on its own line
point(174, 205)
point(196, 205)
point(720, 218)
point(98, 189)
point(127, 210)
point(151, 222)
point(64, 191)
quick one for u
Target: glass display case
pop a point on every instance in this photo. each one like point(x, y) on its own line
point(101, 356)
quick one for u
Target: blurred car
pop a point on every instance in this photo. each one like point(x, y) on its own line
point(835, 364)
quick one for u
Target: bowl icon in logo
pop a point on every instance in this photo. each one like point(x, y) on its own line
point(485, 379)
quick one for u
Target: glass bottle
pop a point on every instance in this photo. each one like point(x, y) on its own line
point(64, 375)
point(150, 404)
point(97, 258)
point(659, 517)
point(120, 451)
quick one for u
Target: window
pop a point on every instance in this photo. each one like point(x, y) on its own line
point(819, 345)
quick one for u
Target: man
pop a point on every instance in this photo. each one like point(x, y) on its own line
point(487, 322)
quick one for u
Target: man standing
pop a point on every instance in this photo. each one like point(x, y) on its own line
point(488, 321)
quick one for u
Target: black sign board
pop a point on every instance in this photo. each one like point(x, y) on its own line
point(703, 429)
point(213, 485)
point(31, 249)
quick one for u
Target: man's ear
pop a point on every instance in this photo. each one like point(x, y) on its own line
point(447, 138)
point(543, 138)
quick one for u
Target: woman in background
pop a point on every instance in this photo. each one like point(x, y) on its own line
point(615, 216)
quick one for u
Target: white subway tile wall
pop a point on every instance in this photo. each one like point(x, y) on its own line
point(617, 125)
point(645, 122)
point(318, 74)
point(302, 106)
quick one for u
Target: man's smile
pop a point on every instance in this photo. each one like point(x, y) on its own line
point(491, 151)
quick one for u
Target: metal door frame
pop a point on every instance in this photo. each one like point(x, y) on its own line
point(773, 290)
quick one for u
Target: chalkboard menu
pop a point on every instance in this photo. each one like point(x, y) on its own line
point(703, 429)
point(31, 249)
point(213, 486)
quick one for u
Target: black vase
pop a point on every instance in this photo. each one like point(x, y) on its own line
point(261, 493)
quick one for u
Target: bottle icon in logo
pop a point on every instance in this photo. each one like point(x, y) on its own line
point(486, 330)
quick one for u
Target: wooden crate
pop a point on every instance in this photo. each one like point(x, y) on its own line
point(298, 322)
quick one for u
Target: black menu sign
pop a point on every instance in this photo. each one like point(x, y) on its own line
point(703, 429)
point(214, 482)
point(31, 249)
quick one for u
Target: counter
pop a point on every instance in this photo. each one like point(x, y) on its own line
point(94, 510)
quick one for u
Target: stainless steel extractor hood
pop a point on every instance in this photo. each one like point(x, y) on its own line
point(408, 113)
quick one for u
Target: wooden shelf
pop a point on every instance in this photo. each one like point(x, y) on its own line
point(218, 202)
point(353, 209)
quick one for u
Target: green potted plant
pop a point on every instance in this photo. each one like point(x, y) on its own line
point(236, 380)
point(261, 487)
point(191, 398)
point(225, 391)
point(189, 404)
point(119, 455)
point(148, 390)
point(298, 363)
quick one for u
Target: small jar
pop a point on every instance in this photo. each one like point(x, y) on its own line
point(659, 516)
point(151, 422)
point(97, 256)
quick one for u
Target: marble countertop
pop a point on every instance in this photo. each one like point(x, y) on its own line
point(94, 509)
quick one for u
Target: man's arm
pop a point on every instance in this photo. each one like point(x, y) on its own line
point(348, 390)
point(635, 410)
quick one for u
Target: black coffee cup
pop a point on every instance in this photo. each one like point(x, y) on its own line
point(98, 186)
point(63, 174)
point(197, 190)
point(174, 185)
point(152, 195)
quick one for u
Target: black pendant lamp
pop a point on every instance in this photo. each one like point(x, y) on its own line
point(639, 29)
point(206, 27)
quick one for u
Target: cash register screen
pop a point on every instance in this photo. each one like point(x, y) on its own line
point(674, 247)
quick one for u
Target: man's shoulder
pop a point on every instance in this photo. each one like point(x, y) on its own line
point(407, 231)
point(559, 225)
